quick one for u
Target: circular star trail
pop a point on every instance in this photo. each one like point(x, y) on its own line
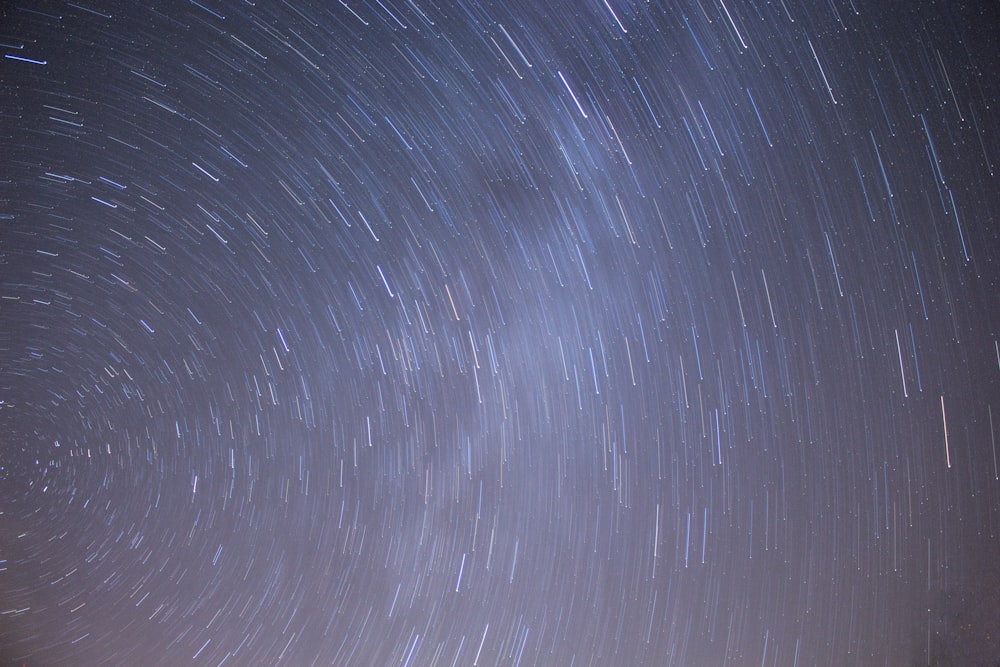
point(405, 332)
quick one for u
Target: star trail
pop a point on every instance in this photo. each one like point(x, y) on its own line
point(412, 332)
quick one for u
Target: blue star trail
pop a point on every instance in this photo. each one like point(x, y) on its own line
point(407, 332)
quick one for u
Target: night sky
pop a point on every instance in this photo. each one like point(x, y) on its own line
point(412, 332)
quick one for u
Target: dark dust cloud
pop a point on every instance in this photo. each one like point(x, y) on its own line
point(409, 332)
